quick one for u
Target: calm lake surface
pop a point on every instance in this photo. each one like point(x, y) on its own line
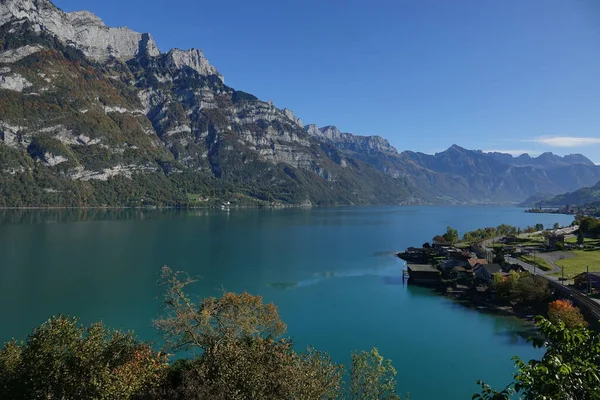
point(330, 271)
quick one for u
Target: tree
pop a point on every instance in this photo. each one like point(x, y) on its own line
point(587, 224)
point(556, 226)
point(243, 354)
point(63, 360)
point(212, 321)
point(568, 370)
point(372, 377)
point(499, 256)
point(565, 311)
point(521, 288)
point(531, 289)
point(580, 237)
point(451, 235)
point(539, 227)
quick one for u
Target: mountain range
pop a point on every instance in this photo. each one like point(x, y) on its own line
point(92, 115)
point(579, 197)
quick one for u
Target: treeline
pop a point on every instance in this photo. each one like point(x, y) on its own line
point(491, 232)
point(243, 355)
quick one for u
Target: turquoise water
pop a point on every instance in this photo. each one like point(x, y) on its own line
point(330, 271)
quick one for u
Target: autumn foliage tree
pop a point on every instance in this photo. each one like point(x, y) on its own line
point(64, 360)
point(565, 311)
point(244, 356)
point(230, 347)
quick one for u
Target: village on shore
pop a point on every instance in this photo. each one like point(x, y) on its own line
point(547, 263)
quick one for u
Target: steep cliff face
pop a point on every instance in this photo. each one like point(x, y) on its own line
point(82, 30)
point(95, 115)
point(350, 142)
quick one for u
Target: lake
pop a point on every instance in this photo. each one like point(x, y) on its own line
point(331, 271)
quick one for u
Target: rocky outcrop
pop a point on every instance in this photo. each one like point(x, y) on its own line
point(14, 82)
point(14, 55)
point(82, 30)
point(194, 59)
point(348, 141)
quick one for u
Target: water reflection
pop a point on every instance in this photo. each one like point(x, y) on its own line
point(390, 272)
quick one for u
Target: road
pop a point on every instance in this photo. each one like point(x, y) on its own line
point(592, 304)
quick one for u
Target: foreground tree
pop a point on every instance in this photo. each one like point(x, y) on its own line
point(372, 377)
point(64, 360)
point(569, 370)
point(243, 355)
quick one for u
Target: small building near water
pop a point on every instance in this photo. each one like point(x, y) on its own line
point(423, 274)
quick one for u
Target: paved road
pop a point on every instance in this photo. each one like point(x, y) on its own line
point(583, 299)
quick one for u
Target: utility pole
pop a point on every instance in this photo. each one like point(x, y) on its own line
point(589, 280)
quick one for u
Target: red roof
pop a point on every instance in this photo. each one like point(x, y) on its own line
point(474, 261)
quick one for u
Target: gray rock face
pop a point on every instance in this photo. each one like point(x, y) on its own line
point(193, 59)
point(348, 141)
point(290, 114)
point(81, 29)
point(12, 56)
point(86, 32)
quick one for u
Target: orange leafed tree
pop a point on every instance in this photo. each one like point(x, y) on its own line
point(565, 311)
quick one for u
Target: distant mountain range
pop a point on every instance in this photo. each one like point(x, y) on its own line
point(92, 115)
point(580, 197)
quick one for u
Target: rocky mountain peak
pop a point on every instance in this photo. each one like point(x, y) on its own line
point(194, 59)
point(81, 29)
point(290, 114)
point(350, 141)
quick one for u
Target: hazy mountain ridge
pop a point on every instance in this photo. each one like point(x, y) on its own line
point(93, 115)
point(585, 195)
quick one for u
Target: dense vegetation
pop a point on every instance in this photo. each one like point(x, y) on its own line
point(567, 371)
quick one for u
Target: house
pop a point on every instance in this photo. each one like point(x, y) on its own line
point(447, 264)
point(463, 273)
point(423, 274)
point(486, 272)
point(513, 267)
point(585, 280)
point(473, 262)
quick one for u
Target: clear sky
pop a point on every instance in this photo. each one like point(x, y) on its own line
point(510, 75)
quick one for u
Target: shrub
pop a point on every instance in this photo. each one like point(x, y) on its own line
point(565, 311)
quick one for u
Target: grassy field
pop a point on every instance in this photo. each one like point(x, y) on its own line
point(539, 262)
point(586, 242)
point(579, 263)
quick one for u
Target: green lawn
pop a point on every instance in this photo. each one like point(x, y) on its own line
point(579, 263)
point(538, 261)
point(586, 242)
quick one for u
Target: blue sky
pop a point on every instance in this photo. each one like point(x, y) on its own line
point(509, 75)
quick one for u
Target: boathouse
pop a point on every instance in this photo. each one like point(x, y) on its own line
point(423, 274)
